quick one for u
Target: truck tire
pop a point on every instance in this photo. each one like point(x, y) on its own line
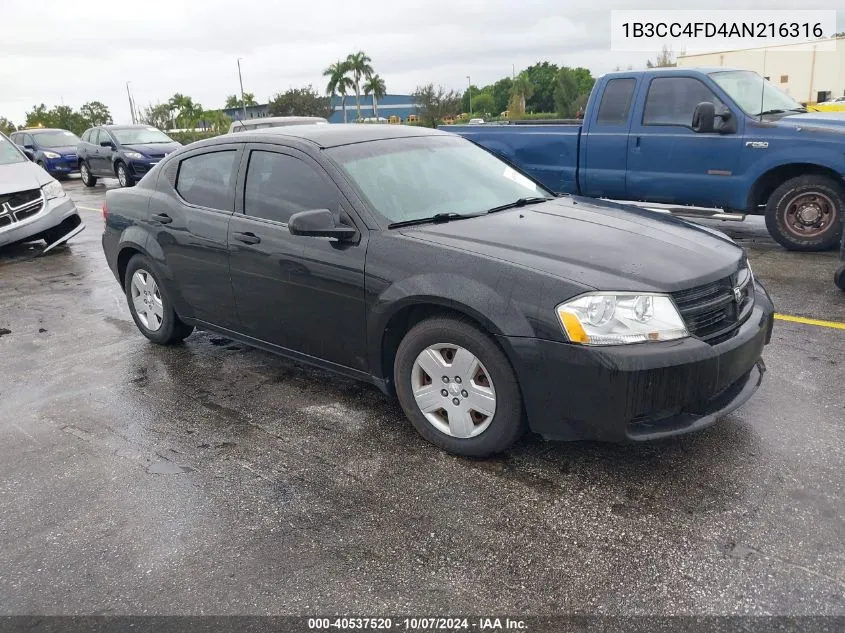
point(803, 213)
point(457, 388)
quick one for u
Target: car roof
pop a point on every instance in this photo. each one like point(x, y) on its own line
point(336, 134)
point(128, 126)
point(279, 119)
point(38, 130)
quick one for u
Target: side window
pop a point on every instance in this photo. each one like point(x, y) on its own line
point(616, 101)
point(87, 136)
point(28, 140)
point(671, 100)
point(95, 136)
point(278, 185)
point(15, 138)
point(204, 179)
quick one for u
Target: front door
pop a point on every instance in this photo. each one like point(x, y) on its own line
point(304, 294)
point(100, 161)
point(668, 161)
point(189, 215)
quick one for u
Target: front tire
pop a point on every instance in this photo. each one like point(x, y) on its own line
point(481, 412)
point(85, 173)
point(123, 176)
point(803, 213)
point(150, 305)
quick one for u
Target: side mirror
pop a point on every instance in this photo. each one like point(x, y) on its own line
point(106, 144)
point(704, 117)
point(29, 153)
point(319, 223)
point(728, 125)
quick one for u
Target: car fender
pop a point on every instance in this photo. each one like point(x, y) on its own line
point(489, 306)
point(824, 157)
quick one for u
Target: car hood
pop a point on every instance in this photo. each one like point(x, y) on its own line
point(605, 246)
point(830, 120)
point(22, 176)
point(69, 149)
point(154, 148)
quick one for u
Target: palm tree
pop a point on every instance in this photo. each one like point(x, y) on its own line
point(375, 86)
point(523, 87)
point(359, 66)
point(339, 82)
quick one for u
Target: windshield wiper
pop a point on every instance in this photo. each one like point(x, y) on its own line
point(521, 202)
point(765, 112)
point(437, 218)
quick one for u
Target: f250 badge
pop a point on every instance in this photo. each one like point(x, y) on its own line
point(757, 144)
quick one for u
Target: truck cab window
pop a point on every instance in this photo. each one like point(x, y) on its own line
point(672, 100)
point(616, 102)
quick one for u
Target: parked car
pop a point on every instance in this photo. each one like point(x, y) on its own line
point(831, 105)
point(275, 121)
point(475, 122)
point(417, 261)
point(33, 204)
point(54, 150)
point(702, 137)
point(125, 152)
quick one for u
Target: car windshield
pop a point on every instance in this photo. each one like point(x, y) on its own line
point(754, 94)
point(56, 138)
point(140, 135)
point(9, 153)
point(406, 179)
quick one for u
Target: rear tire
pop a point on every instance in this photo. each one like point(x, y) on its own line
point(489, 381)
point(803, 214)
point(157, 321)
point(85, 173)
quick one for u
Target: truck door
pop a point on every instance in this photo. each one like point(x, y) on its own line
point(668, 161)
point(604, 141)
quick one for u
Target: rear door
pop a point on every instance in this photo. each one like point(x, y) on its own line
point(602, 173)
point(304, 294)
point(667, 160)
point(189, 217)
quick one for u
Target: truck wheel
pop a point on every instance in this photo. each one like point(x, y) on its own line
point(839, 278)
point(457, 388)
point(85, 173)
point(803, 213)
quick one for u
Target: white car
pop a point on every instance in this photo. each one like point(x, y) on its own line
point(33, 204)
point(476, 121)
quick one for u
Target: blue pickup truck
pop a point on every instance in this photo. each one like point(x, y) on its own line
point(706, 137)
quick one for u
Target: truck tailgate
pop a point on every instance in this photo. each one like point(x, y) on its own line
point(549, 153)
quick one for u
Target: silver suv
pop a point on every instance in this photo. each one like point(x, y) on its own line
point(33, 204)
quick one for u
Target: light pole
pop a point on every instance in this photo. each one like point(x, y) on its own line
point(469, 84)
point(131, 104)
point(240, 78)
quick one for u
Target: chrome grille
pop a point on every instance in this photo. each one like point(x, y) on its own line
point(19, 206)
point(713, 312)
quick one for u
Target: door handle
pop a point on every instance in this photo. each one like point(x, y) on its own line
point(163, 218)
point(247, 238)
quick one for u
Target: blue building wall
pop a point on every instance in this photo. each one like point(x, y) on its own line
point(388, 106)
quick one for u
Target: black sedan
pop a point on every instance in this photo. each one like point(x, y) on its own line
point(415, 260)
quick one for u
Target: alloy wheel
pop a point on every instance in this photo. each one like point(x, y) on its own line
point(146, 299)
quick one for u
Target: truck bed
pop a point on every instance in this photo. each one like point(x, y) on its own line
point(549, 153)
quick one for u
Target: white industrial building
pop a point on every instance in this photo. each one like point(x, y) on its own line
point(808, 72)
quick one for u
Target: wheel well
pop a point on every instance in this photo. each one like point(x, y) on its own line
point(774, 178)
point(123, 261)
point(406, 318)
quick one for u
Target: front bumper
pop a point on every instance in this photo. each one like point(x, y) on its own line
point(138, 168)
point(62, 166)
point(52, 214)
point(639, 392)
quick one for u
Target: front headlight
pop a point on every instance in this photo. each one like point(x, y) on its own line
point(53, 190)
point(135, 155)
point(618, 318)
point(52, 155)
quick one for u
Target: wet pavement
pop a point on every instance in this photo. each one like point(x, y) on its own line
point(212, 478)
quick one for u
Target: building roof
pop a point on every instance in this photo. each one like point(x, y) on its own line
point(344, 134)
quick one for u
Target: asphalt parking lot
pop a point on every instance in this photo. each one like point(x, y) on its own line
point(211, 478)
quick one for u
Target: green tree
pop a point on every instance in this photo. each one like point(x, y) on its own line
point(522, 89)
point(360, 68)
point(465, 100)
point(6, 126)
point(573, 87)
point(157, 115)
point(233, 101)
point(433, 104)
point(543, 77)
point(339, 83)
point(375, 86)
point(187, 112)
point(483, 104)
point(96, 112)
point(301, 102)
point(501, 91)
point(38, 116)
point(215, 120)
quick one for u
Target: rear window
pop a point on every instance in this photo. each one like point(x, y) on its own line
point(204, 179)
point(616, 101)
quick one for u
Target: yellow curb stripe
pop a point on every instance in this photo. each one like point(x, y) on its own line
point(79, 206)
point(796, 319)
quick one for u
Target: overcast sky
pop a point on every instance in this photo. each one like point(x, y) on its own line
point(56, 52)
